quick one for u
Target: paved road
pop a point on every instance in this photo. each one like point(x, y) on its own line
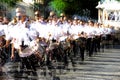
point(102, 66)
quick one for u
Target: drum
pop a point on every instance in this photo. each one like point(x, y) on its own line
point(27, 50)
point(81, 42)
point(65, 45)
point(34, 48)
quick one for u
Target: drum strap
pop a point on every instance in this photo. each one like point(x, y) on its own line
point(29, 37)
point(23, 45)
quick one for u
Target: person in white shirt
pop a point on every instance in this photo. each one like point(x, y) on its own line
point(90, 38)
point(3, 53)
point(97, 37)
point(22, 40)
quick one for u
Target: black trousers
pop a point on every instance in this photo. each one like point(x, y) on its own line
point(90, 46)
point(75, 47)
point(97, 43)
point(82, 45)
point(3, 56)
point(28, 62)
point(82, 51)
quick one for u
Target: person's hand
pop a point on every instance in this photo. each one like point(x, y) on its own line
point(12, 57)
point(6, 46)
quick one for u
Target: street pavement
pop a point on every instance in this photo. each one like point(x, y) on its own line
point(101, 66)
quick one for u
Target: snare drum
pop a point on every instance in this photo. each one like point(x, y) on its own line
point(33, 48)
point(29, 49)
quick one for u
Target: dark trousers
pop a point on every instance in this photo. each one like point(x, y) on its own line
point(29, 62)
point(75, 47)
point(82, 45)
point(98, 44)
point(82, 51)
point(90, 46)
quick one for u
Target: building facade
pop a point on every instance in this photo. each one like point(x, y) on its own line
point(109, 12)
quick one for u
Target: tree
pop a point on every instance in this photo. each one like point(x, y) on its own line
point(10, 3)
point(118, 0)
point(58, 6)
point(5, 6)
point(74, 7)
point(71, 7)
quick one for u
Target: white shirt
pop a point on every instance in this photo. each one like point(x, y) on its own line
point(2, 29)
point(19, 33)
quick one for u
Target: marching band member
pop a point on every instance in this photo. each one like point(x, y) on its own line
point(2, 43)
point(97, 37)
point(24, 35)
point(74, 31)
point(3, 49)
point(8, 30)
point(90, 38)
point(22, 41)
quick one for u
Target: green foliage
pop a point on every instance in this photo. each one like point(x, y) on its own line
point(58, 6)
point(38, 7)
point(74, 7)
point(10, 3)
